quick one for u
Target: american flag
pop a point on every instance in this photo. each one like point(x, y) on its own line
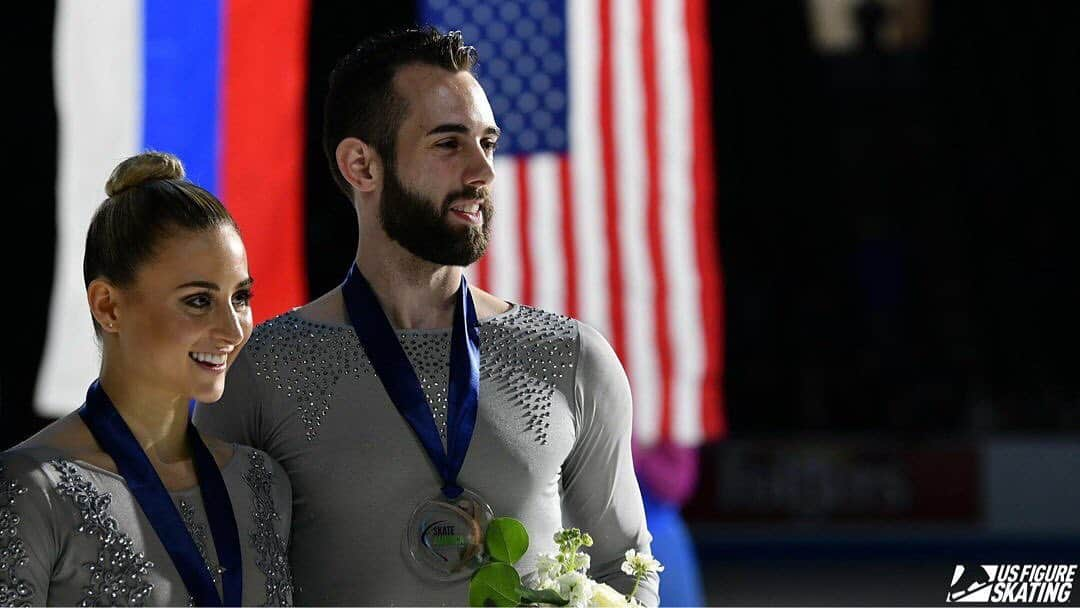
point(604, 187)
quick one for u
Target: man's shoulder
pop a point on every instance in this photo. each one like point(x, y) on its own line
point(290, 331)
point(539, 343)
point(289, 356)
point(533, 323)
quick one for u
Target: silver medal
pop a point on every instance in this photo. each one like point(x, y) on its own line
point(445, 537)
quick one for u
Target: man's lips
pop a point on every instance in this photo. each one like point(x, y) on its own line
point(472, 218)
point(471, 212)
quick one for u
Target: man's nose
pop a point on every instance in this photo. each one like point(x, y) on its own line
point(481, 170)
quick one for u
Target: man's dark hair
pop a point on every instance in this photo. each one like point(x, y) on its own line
point(362, 102)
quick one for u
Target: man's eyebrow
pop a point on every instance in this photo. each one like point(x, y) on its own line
point(460, 128)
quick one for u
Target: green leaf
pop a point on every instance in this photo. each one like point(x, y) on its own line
point(506, 540)
point(545, 596)
point(495, 585)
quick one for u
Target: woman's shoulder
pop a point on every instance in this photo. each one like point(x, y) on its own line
point(64, 440)
point(33, 476)
point(67, 438)
point(22, 465)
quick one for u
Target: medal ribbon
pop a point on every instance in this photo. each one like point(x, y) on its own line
point(398, 377)
point(116, 439)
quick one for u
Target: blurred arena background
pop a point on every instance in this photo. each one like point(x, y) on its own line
point(875, 377)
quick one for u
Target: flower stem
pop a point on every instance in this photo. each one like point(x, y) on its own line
point(637, 581)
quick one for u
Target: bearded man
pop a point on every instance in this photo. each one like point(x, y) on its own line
point(407, 407)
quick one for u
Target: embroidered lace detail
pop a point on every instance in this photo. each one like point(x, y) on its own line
point(305, 360)
point(118, 575)
point(14, 591)
point(524, 355)
point(272, 560)
point(198, 531)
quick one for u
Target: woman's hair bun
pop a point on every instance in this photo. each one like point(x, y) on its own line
point(149, 166)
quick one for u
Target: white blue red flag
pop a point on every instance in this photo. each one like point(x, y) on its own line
point(220, 83)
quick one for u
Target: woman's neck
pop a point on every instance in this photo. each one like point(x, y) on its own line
point(158, 418)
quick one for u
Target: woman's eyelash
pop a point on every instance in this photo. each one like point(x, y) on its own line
point(202, 300)
point(199, 300)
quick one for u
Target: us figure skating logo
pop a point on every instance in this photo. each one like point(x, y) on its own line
point(1011, 583)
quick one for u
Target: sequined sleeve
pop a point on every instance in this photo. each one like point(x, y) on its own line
point(600, 491)
point(28, 545)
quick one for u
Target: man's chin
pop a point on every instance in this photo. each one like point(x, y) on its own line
point(459, 258)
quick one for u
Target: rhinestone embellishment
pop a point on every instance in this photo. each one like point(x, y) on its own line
point(14, 591)
point(273, 560)
point(117, 576)
point(305, 360)
point(198, 531)
point(526, 355)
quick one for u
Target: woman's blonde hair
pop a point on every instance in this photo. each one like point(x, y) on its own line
point(148, 198)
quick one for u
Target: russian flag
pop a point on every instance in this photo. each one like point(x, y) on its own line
point(219, 83)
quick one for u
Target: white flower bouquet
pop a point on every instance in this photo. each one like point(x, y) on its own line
point(561, 578)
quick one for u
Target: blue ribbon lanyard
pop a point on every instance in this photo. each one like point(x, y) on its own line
point(399, 379)
point(116, 439)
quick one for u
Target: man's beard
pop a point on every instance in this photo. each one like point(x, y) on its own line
point(413, 221)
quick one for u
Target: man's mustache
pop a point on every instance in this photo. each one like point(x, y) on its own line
point(469, 193)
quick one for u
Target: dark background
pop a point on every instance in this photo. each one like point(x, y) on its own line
point(896, 231)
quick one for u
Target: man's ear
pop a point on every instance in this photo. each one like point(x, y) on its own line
point(359, 163)
point(104, 299)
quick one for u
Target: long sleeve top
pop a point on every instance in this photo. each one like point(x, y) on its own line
point(73, 534)
point(551, 447)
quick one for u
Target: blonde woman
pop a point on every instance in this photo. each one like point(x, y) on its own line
point(123, 502)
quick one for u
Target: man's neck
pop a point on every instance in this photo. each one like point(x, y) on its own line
point(414, 293)
point(157, 419)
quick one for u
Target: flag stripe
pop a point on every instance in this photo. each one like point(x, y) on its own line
point(263, 144)
point(505, 271)
point(99, 73)
point(524, 204)
point(545, 236)
point(182, 48)
point(589, 148)
point(704, 221)
point(606, 94)
point(566, 201)
point(677, 227)
point(635, 256)
point(655, 205)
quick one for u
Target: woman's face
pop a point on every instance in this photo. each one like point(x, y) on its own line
point(185, 318)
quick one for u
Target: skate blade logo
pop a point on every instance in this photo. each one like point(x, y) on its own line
point(1011, 583)
point(971, 583)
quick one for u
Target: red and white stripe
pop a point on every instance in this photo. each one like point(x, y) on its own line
point(620, 233)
